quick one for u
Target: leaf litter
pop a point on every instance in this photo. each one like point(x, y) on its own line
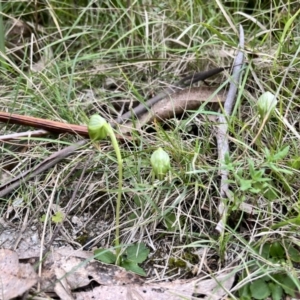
point(66, 270)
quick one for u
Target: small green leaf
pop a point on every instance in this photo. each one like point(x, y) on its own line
point(267, 154)
point(265, 250)
point(169, 220)
point(280, 171)
point(133, 267)
point(251, 168)
point(288, 285)
point(276, 291)
point(58, 217)
point(293, 253)
point(105, 256)
point(269, 193)
point(281, 154)
point(255, 190)
point(276, 250)
point(244, 292)
point(259, 289)
point(245, 184)
point(260, 179)
point(227, 159)
point(137, 253)
point(295, 162)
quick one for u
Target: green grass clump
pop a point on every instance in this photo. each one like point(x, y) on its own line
point(104, 57)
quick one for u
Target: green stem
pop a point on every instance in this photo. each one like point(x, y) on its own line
point(115, 144)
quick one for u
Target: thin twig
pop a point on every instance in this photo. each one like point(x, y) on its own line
point(21, 135)
point(222, 128)
point(49, 125)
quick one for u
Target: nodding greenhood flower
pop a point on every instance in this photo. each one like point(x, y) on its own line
point(266, 104)
point(160, 162)
point(97, 128)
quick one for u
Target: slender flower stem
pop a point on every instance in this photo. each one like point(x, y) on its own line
point(115, 144)
point(99, 129)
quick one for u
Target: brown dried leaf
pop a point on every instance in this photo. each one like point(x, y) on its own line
point(80, 271)
point(62, 288)
point(15, 278)
point(213, 289)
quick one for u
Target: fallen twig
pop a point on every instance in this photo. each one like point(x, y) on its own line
point(222, 139)
point(20, 135)
point(48, 125)
point(52, 126)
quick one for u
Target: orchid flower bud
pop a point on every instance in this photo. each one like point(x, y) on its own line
point(97, 128)
point(160, 162)
point(266, 104)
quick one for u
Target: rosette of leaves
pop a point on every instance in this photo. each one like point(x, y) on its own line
point(274, 285)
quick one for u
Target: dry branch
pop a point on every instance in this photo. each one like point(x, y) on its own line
point(19, 135)
point(222, 139)
point(48, 125)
